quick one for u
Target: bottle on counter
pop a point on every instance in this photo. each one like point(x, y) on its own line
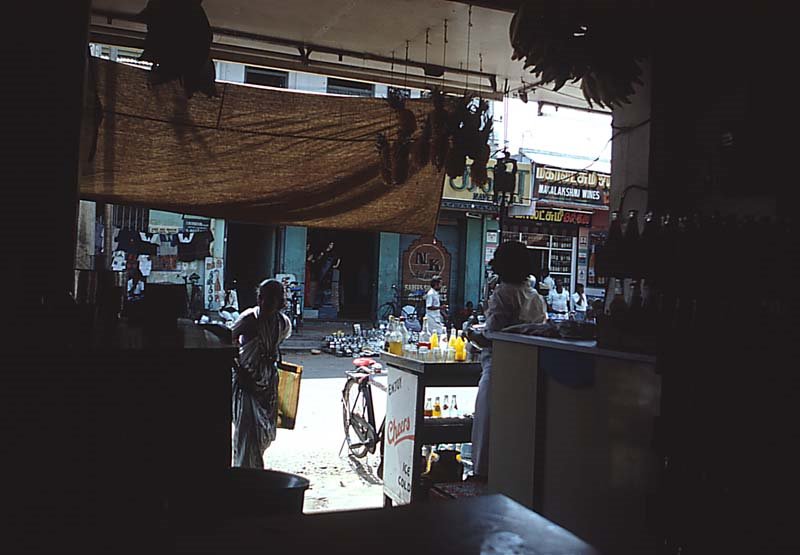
point(428, 410)
point(424, 342)
point(437, 408)
point(396, 339)
point(454, 408)
point(446, 406)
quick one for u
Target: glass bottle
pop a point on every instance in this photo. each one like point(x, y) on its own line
point(396, 341)
point(446, 406)
point(424, 335)
point(404, 330)
point(437, 408)
point(630, 250)
point(618, 309)
point(454, 408)
point(428, 410)
point(635, 318)
point(612, 250)
point(648, 246)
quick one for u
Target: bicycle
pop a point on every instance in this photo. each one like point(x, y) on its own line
point(395, 307)
point(358, 414)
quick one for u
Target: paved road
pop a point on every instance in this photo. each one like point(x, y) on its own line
point(312, 449)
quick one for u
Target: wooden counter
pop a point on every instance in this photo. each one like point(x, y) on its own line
point(572, 436)
point(488, 524)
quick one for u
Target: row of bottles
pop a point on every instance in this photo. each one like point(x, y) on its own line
point(437, 409)
point(692, 272)
point(562, 242)
point(561, 262)
point(427, 345)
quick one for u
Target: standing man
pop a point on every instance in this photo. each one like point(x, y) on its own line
point(579, 303)
point(434, 307)
point(559, 300)
point(546, 284)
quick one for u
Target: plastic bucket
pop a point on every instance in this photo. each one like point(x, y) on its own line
point(237, 492)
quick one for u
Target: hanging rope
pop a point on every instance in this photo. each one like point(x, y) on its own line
point(469, 34)
point(405, 82)
point(444, 52)
point(427, 42)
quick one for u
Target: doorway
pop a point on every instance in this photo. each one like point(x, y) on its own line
point(250, 258)
point(342, 273)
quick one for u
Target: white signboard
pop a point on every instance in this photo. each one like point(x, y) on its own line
point(401, 411)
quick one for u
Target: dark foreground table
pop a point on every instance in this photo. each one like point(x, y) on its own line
point(477, 525)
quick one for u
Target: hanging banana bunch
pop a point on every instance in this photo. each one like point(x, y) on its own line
point(596, 43)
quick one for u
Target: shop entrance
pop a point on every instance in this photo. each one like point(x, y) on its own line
point(341, 273)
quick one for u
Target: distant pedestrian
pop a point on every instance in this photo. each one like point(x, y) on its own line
point(547, 283)
point(559, 299)
point(434, 307)
point(579, 303)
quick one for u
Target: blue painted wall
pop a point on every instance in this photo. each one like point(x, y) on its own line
point(388, 266)
point(473, 259)
point(294, 252)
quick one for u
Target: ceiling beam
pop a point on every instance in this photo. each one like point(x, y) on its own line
point(498, 5)
point(429, 69)
point(303, 63)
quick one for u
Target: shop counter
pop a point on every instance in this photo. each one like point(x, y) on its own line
point(407, 430)
point(573, 436)
point(487, 524)
point(160, 403)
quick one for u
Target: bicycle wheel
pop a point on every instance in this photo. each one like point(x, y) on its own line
point(385, 310)
point(359, 434)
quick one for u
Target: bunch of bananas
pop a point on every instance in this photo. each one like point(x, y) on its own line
point(597, 43)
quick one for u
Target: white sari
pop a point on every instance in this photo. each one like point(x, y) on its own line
point(255, 384)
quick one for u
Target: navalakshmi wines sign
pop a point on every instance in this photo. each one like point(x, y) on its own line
point(581, 186)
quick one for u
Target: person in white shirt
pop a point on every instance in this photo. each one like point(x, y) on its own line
point(513, 301)
point(559, 299)
point(433, 306)
point(546, 284)
point(579, 303)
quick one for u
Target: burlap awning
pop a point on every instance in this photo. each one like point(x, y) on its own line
point(254, 155)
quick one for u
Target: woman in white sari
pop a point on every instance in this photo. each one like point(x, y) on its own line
point(258, 332)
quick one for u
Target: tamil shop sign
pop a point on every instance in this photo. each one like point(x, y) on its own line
point(463, 189)
point(582, 186)
point(559, 216)
point(426, 257)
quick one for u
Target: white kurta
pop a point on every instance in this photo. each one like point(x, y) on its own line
point(435, 320)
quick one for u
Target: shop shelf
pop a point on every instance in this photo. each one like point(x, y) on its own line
point(446, 430)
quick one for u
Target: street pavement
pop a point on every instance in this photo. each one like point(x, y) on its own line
point(312, 449)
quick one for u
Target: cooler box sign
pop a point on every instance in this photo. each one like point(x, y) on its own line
point(401, 410)
point(587, 187)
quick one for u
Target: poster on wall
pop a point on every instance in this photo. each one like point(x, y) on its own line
point(426, 257)
point(401, 410)
point(214, 278)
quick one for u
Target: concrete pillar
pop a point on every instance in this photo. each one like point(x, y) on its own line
point(84, 250)
point(473, 260)
point(389, 271)
point(294, 252)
